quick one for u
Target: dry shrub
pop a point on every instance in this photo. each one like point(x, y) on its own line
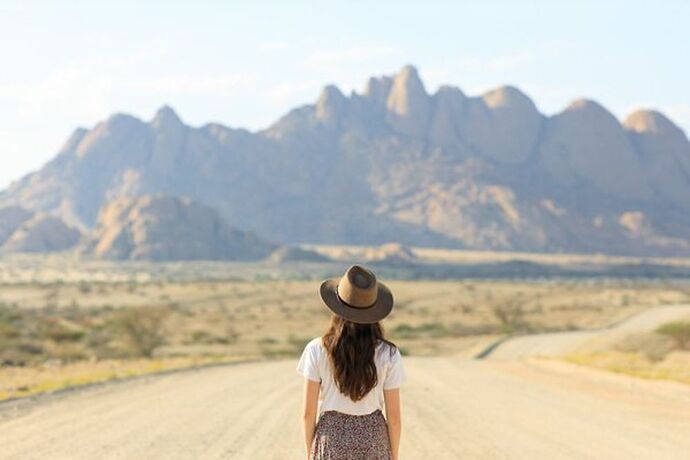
point(66, 352)
point(678, 332)
point(510, 314)
point(651, 346)
point(20, 352)
point(99, 341)
point(60, 330)
point(468, 330)
point(9, 331)
point(141, 329)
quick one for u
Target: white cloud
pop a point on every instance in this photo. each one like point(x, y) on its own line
point(82, 87)
point(79, 90)
point(508, 62)
point(515, 59)
point(189, 84)
point(353, 54)
point(293, 91)
point(493, 64)
point(274, 46)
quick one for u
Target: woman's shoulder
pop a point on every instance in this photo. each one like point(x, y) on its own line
point(387, 350)
point(315, 344)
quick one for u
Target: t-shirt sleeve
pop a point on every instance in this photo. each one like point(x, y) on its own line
point(396, 372)
point(308, 364)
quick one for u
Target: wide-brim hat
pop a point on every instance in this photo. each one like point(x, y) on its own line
point(357, 296)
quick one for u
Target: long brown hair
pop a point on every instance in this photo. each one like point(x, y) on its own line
point(351, 349)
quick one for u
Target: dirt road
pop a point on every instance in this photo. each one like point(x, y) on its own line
point(559, 343)
point(452, 409)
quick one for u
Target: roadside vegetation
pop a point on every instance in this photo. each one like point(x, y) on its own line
point(661, 354)
point(54, 335)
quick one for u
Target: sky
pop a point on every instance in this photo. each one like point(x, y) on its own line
point(65, 65)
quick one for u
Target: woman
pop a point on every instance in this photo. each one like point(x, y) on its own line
point(353, 371)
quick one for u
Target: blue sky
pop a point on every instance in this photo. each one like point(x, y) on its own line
point(246, 63)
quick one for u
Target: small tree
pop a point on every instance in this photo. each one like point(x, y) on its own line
point(510, 314)
point(678, 332)
point(142, 329)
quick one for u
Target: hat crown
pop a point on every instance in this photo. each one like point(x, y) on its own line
point(358, 287)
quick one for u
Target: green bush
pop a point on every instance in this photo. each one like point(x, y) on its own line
point(678, 332)
point(298, 343)
point(267, 340)
point(60, 332)
point(19, 353)
point(206, 337)
point(408, 331)
point(464, 330)
point(8, 331)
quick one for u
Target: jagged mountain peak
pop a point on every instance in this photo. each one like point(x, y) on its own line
point(117, 127)
point(329, 107)
point(73, 141)
point(449, 90)
point(377, 90)
point(507, 96)
point(585, 143)
point(407, 90)
point(589, 112)
point(644, 120)
point(439, 170)
point(408, 72)
point(665, 152)
point(166, 118)
point(120, 119)
point(331, 92)
point(408, 103)
point(585, 105)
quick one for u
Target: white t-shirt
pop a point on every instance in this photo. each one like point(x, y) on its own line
point(315, 365)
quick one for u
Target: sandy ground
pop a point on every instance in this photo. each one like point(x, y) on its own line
point(560, 343)
point(452, 408)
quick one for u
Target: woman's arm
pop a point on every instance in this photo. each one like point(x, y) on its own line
point(392, 399)
point(311, 401)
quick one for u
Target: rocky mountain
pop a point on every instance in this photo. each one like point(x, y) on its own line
point(163, 228)
point(24, 231)
point(11, 218)
point(287, 254)
point(42, 233)
point(395, 163)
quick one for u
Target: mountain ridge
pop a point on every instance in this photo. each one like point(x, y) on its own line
point(397, 163)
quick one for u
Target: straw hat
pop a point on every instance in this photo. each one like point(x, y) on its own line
point(357, 296)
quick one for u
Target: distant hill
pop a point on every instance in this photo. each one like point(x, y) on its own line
point(25, 231)
point(287, 254)
point(395, 163)
point(11, 218)
point(42, 233)
point(162, 228)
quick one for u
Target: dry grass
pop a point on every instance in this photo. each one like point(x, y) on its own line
point(441, 255)
point(26, 381)
point(663, 353)
point(674, 366)
point(49, 330)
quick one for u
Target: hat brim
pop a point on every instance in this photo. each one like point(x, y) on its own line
point(368, 315)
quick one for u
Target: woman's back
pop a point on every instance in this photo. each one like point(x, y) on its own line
point(315, 365)
point(352, 373)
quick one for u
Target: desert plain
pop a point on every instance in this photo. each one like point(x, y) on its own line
point(183, 361)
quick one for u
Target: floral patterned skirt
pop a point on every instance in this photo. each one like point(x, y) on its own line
point(340, 436)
